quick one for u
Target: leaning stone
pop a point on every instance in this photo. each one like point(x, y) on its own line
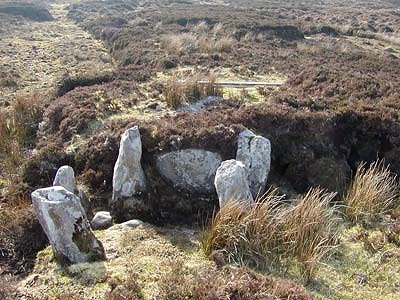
point(65, 177)
point(129, 178)
point(254, 152)
point(192, 170)
point(231, 183)
point(101, 220)
point(64, 221)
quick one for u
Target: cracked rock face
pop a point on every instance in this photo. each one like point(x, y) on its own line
point(64, 221)
point(192, 170)
point(231, 183)
point(254, 152)
point(129, 179)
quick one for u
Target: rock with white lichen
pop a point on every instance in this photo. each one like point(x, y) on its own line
point(64, 221)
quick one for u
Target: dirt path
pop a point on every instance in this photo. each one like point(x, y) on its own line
point(38, 54)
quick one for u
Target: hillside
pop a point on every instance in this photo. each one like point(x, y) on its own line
point(165, 110)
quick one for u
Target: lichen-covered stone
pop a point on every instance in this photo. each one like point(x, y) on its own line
point(254, 152)
point(192, 170)
point(64, 221)
point(65, 177)
point(129, 179)
point(231, 183)
point(101, 220)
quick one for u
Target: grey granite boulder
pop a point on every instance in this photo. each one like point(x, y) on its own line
point(192, 170)
point(101, 220)
point(129, 179)
point(254, 152)
point(231, 183)
point(64, 221)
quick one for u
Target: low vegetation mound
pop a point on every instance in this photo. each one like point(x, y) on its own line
point(269, 232)
point(31, 11)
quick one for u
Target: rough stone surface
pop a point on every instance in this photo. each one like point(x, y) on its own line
point(231, 183)
point(255, 153)
point(65, 177)
point(199, 105)
point(64, 221)
point(129, 178)
point(192, 170)
point(101, 220)
point(131, 224)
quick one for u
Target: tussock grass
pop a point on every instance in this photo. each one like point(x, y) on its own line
point(177, 92)
point(310, 229)
point(268, 231)
point(18, 125)
point(372, 192)
point(200, 38)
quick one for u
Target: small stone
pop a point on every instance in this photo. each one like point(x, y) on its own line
point(128, 224)
point(231, 183)
point(101, 220)
point(132, 223)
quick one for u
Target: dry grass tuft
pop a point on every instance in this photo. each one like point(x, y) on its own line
point(177, 92)
point(200, 38)
point(268, 232)
point(372, 193)
point(18, 125)
point(310, 229)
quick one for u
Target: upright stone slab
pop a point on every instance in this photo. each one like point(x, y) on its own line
point(64, 221)
point(255, 153)
point(129, 179)
point(231, 183)
point(192, 170)
point(65, 177)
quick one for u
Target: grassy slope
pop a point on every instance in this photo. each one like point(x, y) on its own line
point(41, 53)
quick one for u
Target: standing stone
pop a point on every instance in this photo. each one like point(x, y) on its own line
point(254, 152)
point(64, 221)
point(129, 179)
point(192, 170)
point(231, 183)
point(65, 177)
